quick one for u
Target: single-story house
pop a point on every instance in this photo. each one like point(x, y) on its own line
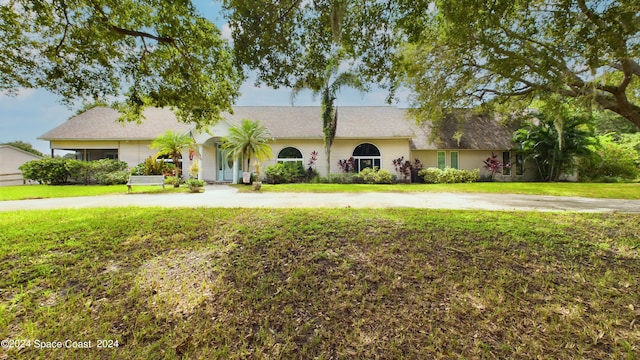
point(11, 158)
point(372, 136)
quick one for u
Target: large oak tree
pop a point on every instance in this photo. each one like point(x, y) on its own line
point(462, 53)
point(136, 52)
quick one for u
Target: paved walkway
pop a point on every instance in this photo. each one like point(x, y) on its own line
point(228, 197)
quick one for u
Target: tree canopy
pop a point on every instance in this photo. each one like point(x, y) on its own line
point(290, 43)
point(136, 52)
point(465, 53)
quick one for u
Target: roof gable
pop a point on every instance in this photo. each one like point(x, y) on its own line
point(8, 148)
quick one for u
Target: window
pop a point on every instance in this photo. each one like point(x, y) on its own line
point(454, 160)
point(506, 163)
point(366, 156)
point(290, 154)
point(442, 160)
point(113, 155)
point(519, 164)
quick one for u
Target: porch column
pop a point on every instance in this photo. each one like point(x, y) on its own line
point(200, 170)
point(235, 171)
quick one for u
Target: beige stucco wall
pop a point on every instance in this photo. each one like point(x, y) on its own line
point(342, 149)
point(306, 147)
point(474, 159)
point(135, 152)
point(10, 161)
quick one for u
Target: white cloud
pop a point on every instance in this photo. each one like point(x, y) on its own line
point(226, 32)
point(21, 94)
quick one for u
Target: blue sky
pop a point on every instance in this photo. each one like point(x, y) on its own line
point(34, 112)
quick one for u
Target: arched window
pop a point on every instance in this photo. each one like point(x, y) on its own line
point(290, 154)
point(366, 156)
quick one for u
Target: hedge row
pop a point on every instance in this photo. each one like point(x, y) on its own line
point(449, 176)
point(59, 171)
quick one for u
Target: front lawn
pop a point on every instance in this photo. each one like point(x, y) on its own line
point(24, 192)
point(341, 283)
point(589, 190)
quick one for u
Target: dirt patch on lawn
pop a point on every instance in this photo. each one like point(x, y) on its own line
point(179, 281)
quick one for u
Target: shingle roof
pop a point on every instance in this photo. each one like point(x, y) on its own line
point(479, 132)
point(475, 132)
point(283, 122)
point(100, 123)
point(305, 122)
point(13, 148)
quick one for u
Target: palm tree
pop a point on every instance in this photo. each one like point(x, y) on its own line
point(555, 141)
point(173, 145)
point(329, 85)
point(246, 140)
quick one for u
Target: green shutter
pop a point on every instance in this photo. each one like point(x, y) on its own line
point(441, 160)
point(454, 160)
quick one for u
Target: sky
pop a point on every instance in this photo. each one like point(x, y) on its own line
point(34, 112)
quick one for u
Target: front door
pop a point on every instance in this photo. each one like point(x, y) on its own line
point(225, 166)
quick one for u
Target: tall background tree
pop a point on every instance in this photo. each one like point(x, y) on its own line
point(138, 52)
point(320, 45)
point(465, 53)
point(331, 83)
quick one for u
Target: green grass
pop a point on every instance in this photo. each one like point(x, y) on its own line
point(590, 190)
point(342, 283)
point(23, 192)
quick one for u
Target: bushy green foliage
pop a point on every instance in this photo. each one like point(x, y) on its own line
point(375, 176)
point(449, 176)
point(173, 180)
point(344, 178)
point(554, 142)
point(58, 171)
point(151, 166)
point(48, 171)
point(118, 177)
point(285, 173)
point(613, 161)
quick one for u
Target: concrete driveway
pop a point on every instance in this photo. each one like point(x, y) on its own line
point(228, 197)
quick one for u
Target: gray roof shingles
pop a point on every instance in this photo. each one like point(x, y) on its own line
point(289, 122)
point(100, 123)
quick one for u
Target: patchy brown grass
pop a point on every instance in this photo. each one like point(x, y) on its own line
point(239, 283)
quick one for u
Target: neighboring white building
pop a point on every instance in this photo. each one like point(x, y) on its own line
point(10, 160)
point(373, 136)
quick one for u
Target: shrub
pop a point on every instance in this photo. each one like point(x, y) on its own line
point(113, 178)
point(449, 176)
point(406, 169)
point(172, 180)
point(54, 171)
point(285, 173)
point(58, 171)
point(151, 166)
point(613, 161)
point(375, 176)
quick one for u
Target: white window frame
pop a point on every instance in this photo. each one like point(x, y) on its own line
point(283, 160)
